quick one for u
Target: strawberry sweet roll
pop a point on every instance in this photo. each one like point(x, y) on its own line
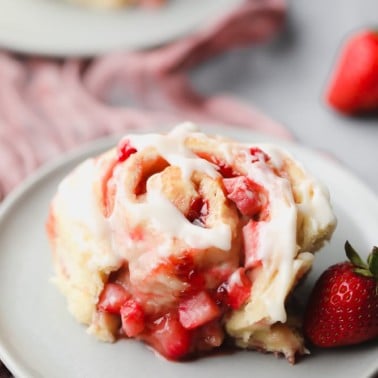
point(182, 240)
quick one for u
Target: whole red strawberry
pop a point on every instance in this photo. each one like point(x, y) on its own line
point(343, 306)
point(353, 88)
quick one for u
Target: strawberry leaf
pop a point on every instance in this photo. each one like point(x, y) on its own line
point(363, 272)
point(354, 257)
point(373, 262)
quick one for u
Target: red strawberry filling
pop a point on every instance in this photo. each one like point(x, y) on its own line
point(194, 321)
point(198, 211)
point(198, 310)
point(251, 240)
point(168, 337)
point(132, 316)
point(235, 292)
point(258, 155)
point(124, 150)
point(247, 195)
point(225, 170)
point(112, 297)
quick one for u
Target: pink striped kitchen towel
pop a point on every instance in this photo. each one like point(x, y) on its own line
point(49, 106)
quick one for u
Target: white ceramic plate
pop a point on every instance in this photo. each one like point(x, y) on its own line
point(54, 27)
point(38, 338)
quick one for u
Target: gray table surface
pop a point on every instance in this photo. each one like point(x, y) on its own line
point(287, 78)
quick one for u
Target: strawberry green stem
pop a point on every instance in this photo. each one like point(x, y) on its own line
point(354, 257)
point(369, 269)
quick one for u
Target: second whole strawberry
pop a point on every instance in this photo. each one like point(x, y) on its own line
point(343, 306)
point(353, 88)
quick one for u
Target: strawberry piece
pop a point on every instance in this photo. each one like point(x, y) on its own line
point(353, 88)
point(168, 337)
point(245, 194)
point(112, 297)
point(239, 289)
point(209, 336)
point(195, 209)
point(125, 149)
point(198, 310)
point(236, 290)
point(225, 170)
point(132, 316)
point(198, 211)
point(258, 155)
point(343, 306)
point(251, 242)
point(184, 268)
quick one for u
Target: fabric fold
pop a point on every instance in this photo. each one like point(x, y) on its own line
point(49, 106)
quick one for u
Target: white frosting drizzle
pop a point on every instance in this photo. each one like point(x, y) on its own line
point(80, 185)
point(164, 217)
point(76, 201)
point(156, 210)
point(277, 246)
point(172, 148)
point(226, 150)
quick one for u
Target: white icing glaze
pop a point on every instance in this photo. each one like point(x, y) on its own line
point(172, 148)
point(156, 210)
point(227, 150)
point(164, 217)
point(80, 185)
point(276, 246)
point(85, 214)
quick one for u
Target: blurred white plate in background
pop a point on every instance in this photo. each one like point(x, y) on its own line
point(54, 27)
